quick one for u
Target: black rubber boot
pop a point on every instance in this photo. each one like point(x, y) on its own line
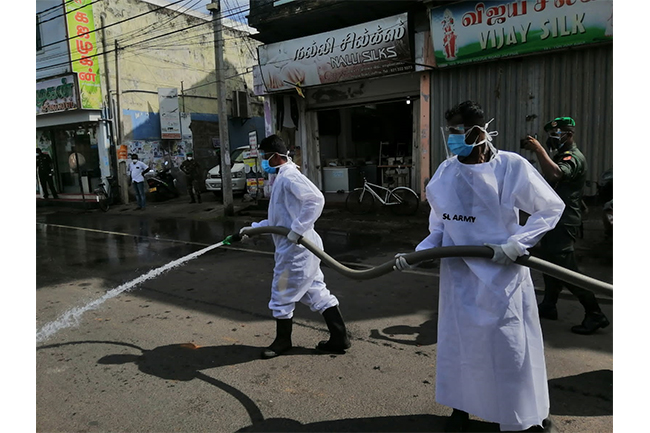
point(591, 323)
point(457, 422)
point(282, 341)
point(547, 311)
point(339, 340)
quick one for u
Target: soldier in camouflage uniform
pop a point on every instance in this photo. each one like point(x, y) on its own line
point(192, 171)
point(566, 172)
point(45, 170)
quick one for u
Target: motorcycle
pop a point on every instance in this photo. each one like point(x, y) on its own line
point(605, 187)
point(162, 184)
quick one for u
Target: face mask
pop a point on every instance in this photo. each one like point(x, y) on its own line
point(267, 167)
point(457, 146)
point(189, 158)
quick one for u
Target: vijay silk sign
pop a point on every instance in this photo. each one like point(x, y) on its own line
point(375, 48)
point(478, 31)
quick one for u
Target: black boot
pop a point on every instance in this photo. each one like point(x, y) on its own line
point(282, 341)
point(198, 197)
point(591, 323)
point(547, 311)
point(339, 340)
point(457, 422)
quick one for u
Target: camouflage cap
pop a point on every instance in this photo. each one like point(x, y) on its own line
point(559, 122)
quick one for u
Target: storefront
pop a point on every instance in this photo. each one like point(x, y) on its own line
point(76, 139)
point(527, 62)
point(347, 103)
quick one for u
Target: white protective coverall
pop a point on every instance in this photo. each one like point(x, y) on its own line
point(490, 359)
point(296, 203)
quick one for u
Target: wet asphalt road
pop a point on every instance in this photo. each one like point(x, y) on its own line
point(180, 353)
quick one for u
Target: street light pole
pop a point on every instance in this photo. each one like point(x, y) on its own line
point(226, 179)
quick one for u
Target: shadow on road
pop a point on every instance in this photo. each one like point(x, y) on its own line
point(586, 394)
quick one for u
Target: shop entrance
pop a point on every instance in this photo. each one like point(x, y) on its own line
point(373, 140)
point(82, 168)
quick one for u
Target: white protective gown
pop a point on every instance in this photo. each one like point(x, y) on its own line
point(296, 203)
point(490, 359)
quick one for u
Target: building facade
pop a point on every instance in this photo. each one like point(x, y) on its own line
point(360, 88)
point(122, 77)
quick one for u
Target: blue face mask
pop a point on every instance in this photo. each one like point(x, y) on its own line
point(267, 167)
point(456, 144)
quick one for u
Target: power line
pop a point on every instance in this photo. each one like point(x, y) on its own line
point(106, 26)
point(131, 45)
point(66, 13)
point(54, 7)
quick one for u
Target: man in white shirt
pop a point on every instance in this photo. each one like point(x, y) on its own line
point(137, 169)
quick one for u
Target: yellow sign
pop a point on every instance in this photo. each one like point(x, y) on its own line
point(83, 51)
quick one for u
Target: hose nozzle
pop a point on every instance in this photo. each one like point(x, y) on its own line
point(232, 239)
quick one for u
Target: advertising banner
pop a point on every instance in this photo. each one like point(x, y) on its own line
point(56, 94)
point(170, 118)
point(477, 31)
point(83, 51)
point(366, 50)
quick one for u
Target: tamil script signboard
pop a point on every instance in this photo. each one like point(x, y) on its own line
point(372, 49)
point(56, 94)
point(83, 51)
point(477, 31)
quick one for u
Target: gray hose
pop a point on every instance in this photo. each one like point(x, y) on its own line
point(543, 266)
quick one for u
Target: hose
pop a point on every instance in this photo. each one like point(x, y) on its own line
point(536, 263)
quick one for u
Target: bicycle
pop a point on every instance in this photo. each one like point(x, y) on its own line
point(105, 198)
point(401, 200)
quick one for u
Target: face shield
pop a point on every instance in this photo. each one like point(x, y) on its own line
point(460, 140)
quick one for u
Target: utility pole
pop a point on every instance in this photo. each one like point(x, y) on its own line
point(121, 167)
point(226, 179)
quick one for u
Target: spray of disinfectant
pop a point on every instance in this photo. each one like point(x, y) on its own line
point(72, 316)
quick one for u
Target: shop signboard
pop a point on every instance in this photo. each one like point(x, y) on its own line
point(170, 119)
point(83, 51)
point(476, 31)
point(56, 94)
point(376, 48)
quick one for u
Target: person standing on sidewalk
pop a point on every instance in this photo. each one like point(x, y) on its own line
point(45, 170)
point(137, 169)
point(490, 359)
point(566, 172)
point(296, 203)
point(192, 171)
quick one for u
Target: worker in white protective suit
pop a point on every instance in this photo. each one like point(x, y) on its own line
point(296, 203)
point(490, 357)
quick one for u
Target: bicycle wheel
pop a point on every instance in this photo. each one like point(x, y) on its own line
point(359, 201)
point(403, 201)
point(102, 201)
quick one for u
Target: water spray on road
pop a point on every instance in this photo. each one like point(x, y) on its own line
point(72, 316)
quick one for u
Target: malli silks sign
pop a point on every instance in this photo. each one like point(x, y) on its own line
point(479, 31)
point(376, 48)
point(83, 51)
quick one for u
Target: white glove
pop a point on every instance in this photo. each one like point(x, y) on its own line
point(294, 237)
point(244, 230)
point(502, 254)
point(401, 264)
